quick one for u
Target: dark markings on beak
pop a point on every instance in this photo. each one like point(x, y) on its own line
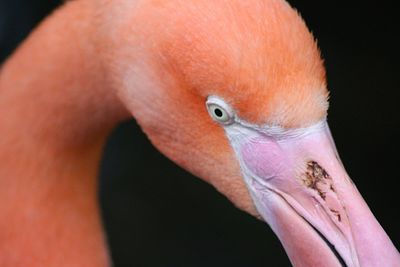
point(332, 188)
point(315, 176)
point(337, 214)
point(318, 179)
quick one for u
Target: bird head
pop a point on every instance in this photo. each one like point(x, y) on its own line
point(235, 92)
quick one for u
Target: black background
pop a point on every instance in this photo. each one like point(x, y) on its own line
point(162, 216)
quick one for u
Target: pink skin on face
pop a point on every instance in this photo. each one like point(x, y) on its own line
point(300, 178)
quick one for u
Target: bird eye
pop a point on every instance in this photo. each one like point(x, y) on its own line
point(219, 110)
point(218, 113)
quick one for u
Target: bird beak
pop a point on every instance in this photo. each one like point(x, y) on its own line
point(302, 190)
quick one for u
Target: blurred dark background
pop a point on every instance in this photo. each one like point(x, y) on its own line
point(162, 217)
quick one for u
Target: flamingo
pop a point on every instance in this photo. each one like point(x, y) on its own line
point(232, 91)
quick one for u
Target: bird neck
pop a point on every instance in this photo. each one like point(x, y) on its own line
point(56, 111)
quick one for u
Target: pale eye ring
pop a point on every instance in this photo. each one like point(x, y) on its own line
point(219, 110)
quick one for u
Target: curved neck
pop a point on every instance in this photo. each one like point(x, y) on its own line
point(56, 111)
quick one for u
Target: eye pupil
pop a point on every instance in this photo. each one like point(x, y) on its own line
point(218, 112)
